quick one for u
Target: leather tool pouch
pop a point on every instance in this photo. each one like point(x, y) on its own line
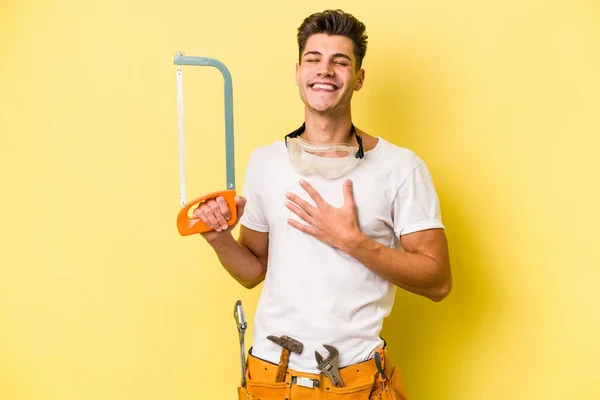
point(393, 387)
point(360, 383)
point(260, 382)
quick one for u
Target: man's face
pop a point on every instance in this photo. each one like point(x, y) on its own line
point(326, 75)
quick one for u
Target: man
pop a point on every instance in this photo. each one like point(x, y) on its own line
point(333, 220)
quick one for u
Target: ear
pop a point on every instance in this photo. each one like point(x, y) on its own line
point(297, 74)
point(360, 79)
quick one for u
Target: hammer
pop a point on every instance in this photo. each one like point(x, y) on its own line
point(287, 345)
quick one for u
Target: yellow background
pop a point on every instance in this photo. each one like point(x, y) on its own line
point(100, 298)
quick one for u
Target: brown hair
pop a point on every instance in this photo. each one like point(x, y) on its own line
point(334, 22)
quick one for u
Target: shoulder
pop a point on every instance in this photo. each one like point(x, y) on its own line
point(266, 155)
point(396, 157)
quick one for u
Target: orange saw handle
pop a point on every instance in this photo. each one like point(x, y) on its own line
point(187, 225)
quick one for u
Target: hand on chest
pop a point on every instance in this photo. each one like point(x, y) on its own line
point(370, 200)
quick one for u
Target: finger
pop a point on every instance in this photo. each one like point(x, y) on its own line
point(298, 211)
point(307, 207)
point(217, 213)
point(210, 219)
point(205, 215)
point(198, 213)
point(312, 193)
point(348, 193)
point(223, 207)
point(241, 205)
point(301, 227)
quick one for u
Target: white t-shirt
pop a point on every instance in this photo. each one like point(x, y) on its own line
point(318, 294)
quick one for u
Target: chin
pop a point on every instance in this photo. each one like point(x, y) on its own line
point(321, 107)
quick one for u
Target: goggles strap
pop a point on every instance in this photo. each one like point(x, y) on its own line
point(359, 154)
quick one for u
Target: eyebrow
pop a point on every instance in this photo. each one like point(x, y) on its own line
point(317, 53)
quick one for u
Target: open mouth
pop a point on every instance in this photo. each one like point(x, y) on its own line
point(323, 87)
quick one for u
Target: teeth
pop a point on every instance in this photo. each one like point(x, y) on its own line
point(323, 86)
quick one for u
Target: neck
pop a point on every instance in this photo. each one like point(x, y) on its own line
point(327, 129)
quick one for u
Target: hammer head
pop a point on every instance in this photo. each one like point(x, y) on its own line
point(287, 343)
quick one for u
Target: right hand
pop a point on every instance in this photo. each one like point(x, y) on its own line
point(215, 214)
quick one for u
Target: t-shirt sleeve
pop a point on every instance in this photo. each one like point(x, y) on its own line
point(254, 217)
point(416, 206)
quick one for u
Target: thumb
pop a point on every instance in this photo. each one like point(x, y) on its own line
point(348, 193)
point(241, 204)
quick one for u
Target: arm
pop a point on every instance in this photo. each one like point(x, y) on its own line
point(423, 268)
point(244, 259)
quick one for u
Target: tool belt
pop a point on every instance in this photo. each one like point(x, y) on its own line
point(362, 381)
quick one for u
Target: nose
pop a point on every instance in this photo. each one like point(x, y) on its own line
point(325, 69)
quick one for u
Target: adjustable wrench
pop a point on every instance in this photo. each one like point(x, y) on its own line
point(330, 365)
point(240, 318)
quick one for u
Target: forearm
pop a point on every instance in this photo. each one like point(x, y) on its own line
point(415, 272)
point(239, 261)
